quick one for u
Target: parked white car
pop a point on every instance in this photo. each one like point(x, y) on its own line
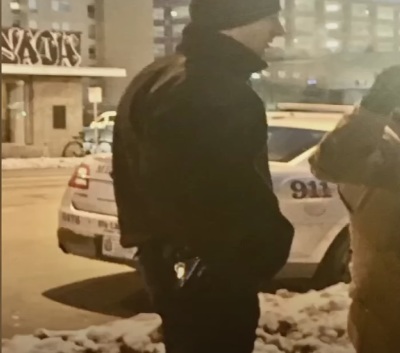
point(104, 119)
point(88, 225)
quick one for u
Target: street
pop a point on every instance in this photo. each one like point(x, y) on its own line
point(41, 286)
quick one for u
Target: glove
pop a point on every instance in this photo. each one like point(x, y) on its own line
point(384, 96)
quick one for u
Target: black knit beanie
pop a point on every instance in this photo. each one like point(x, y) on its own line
point(226, 14)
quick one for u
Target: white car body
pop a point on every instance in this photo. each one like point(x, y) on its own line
point(88, 224)
point(104, 119)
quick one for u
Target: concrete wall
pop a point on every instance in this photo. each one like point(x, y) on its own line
point(16, 118)
point(12, 150)
point(47, 92)
point(126, 40)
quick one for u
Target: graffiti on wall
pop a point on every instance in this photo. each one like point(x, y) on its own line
point(40, 47)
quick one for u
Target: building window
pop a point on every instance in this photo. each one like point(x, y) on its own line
point(33, 24)
point(159, 14)
point(65, 6)
point(92, 52)
point(332, 26)
point(266, 73)
point(296, 75)
point(16, 23)
point(55, 26)
point(333, 6)
point(180, 12)
point(61, 5)
point(160, 50)
point(65, 26)
point(178, 29)
point(358, 45)
point(15, 6)
point(32, 5)
point(360, 10)
point(385, 47)
point(159, 31)
point(92, 31)
point(59, 117)
point(385, 13)
point(385, 30)
point(55, 5)
point(333, 44)
point(304, 5)
point(282, 74)
point(305, 24)
point(91, 11)
point(304, 43)
point(360, 29)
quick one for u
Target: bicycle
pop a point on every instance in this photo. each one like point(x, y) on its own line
point(75, 148)
point(85, 144)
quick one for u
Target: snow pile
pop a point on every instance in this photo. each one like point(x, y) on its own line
point(314, 322)
point(139, 334)
point(39, 163)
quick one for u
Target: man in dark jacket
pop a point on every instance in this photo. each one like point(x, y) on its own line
point(192, 182)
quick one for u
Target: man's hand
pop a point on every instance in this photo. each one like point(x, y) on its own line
point(384, 96)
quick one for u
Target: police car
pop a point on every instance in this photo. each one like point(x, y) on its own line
point(88, 225)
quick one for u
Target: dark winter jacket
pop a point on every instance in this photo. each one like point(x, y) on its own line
point(190, 161)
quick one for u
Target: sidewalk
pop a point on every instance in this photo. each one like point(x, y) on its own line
point(39, 163)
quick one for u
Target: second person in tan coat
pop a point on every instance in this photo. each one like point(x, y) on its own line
point(362, 155)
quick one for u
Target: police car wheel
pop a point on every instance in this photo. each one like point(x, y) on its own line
point(334, 268)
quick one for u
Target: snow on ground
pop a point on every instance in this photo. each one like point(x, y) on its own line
point(39, 163)
point(314, 322)
point(303, 323)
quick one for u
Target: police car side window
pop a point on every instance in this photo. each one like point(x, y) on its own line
point(286, 143)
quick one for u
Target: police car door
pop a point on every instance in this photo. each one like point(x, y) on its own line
point(314, 208)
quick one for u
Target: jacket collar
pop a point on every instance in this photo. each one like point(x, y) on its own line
point(216, 51)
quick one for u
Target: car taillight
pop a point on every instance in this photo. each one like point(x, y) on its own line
point(80, 178)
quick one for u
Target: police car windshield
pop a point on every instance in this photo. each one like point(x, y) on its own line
point(285, 143)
